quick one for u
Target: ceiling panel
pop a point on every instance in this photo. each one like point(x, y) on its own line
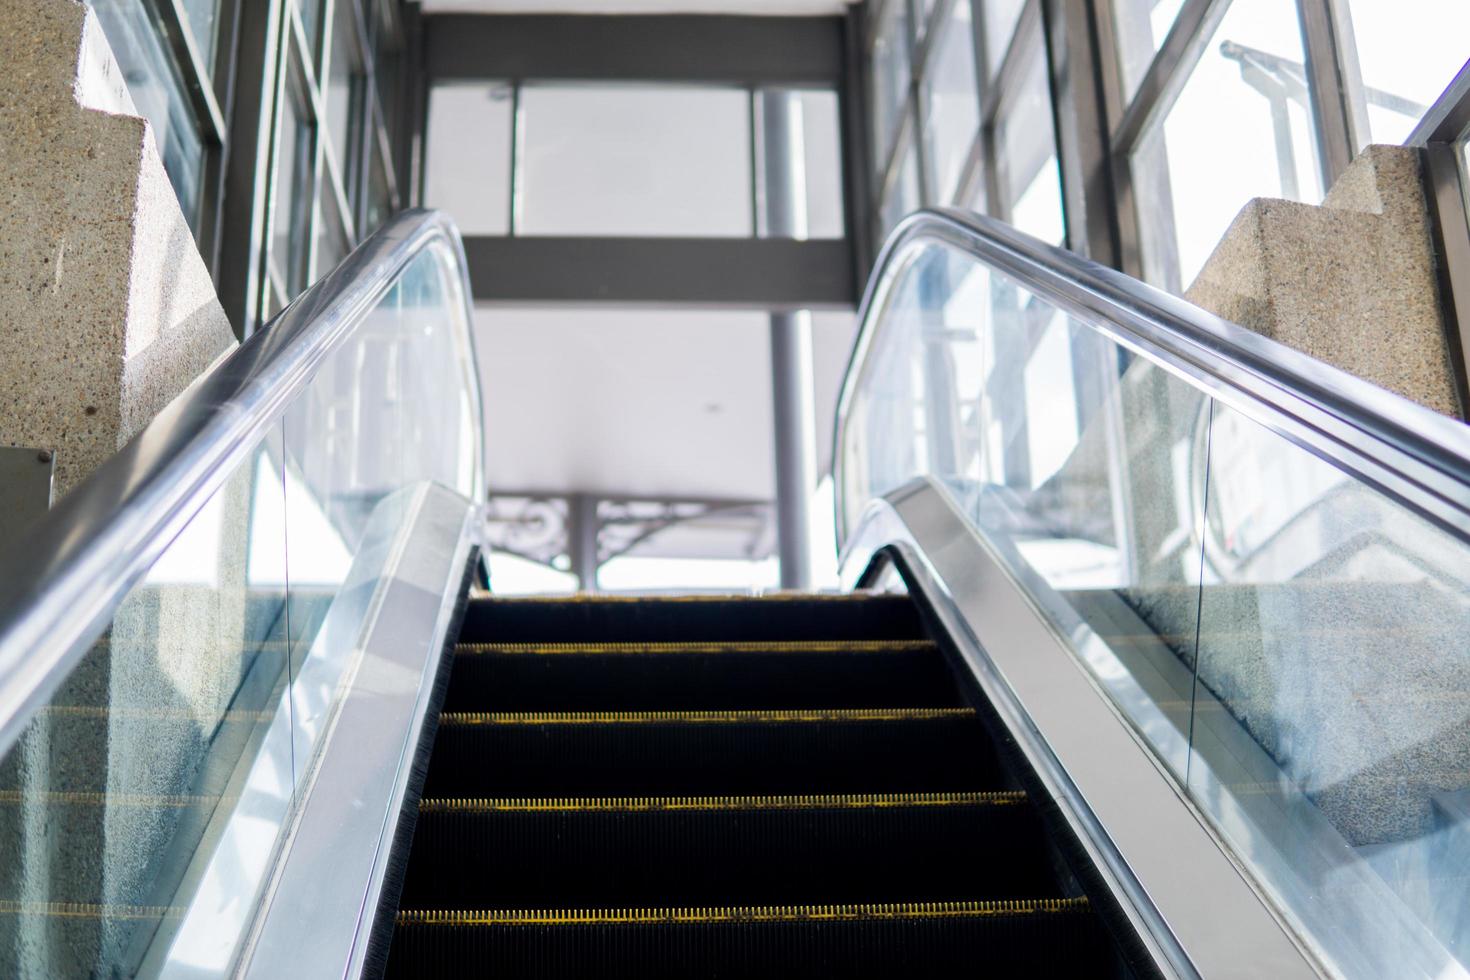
point(640, 403)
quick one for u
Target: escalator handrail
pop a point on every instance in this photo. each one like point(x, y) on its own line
point(1413, 454)
point(64, 580)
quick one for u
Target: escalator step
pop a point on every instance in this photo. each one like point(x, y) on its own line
point(668, 676)
point(1046, 937)
point(677, 753)
point(712, 850)
point(598, 619)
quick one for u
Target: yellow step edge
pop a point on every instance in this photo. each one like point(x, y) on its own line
point(86, 910)
point(456, 719)
point(613, 599)
point(732, 646)
point(743, 914)
point(660, 804)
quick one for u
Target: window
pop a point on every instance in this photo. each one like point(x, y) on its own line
point(1407, 53)
point(202, 19)
point(890, 76)
point(1027, 175)
point(1241, 128)
point(903, 196)
point(950, 97)
point(634, 160)
point(344, 89)
point(1141, 27)
point(1001, 18)
point(467, 155)
point(292, 194)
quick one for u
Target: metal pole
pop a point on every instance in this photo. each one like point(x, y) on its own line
point(582, 528)
point(791, 342)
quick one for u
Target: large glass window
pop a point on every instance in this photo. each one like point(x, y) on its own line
point(1408, 51)
point(903, 196)
point(890, 75)
point(1241, 128)
point(291, 200)
point(344, 86)
point(1141, 27)
point(634, 160)
point(467, 155)
point(950, 97)
point(202, 16)
point(1001, 18)
point(1028, 177)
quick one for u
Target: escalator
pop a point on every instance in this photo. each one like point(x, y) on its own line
point(1147, 661)
point(724, 787)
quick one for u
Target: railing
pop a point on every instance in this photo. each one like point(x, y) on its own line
point(176, 634)
point(1263, 562)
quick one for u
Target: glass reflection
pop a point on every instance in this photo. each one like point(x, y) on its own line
point(118, 790)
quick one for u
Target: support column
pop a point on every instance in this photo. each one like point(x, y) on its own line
point(582, 528)
point(791, 343)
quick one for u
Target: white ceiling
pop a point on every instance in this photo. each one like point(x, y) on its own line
point(640, 403)
point(788, 8)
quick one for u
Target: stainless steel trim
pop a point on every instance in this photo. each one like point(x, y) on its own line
point(1414, 455)
point(60, 586)
point(337, 855)
point(1125, 810)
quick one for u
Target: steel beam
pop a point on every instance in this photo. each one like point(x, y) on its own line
point(582, 528)
point(760, 51)
point(738, 273)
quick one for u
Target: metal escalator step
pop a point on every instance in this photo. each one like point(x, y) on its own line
point(672, 753)
point(780, 617)
point(724, 849)
point(1037, 937)
point(668, 676)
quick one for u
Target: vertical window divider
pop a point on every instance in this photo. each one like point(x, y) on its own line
point(517, 160)
point(1339, 111)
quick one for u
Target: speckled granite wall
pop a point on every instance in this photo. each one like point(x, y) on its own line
point(1351, 282)
point(106, 309)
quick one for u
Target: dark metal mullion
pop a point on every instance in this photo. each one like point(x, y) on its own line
point(892, 173)
point(1446, 195)
point(936, 32)
point(246, 181)
point(1169, 70)
point(380, 143)
point(340, 197)
point(924, 50)
point(1081, 133)
point(893, 153)
point(860, 218)
point(1449, 118)
point(305, 224)
point(1334, 97)
point(1013, 62)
